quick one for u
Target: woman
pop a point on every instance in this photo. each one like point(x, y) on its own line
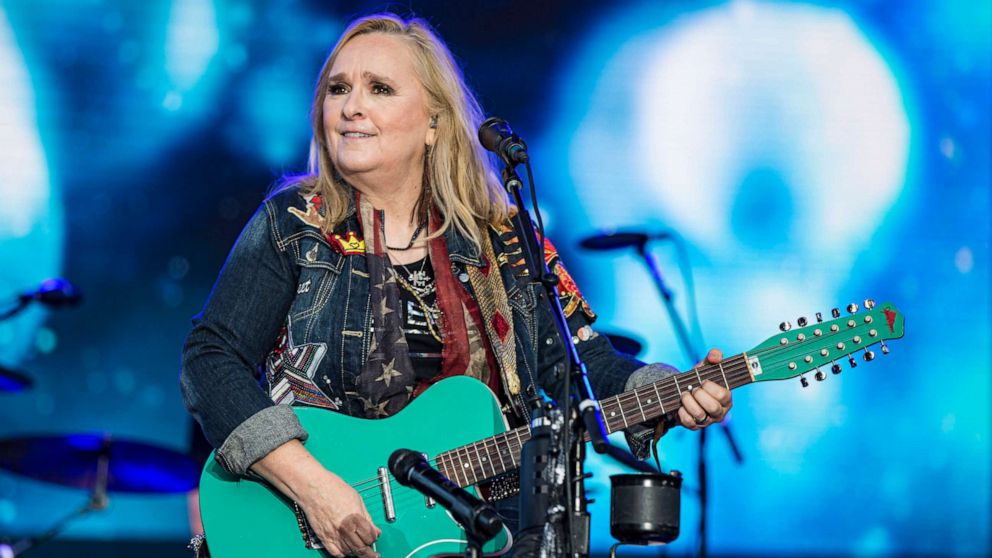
point(388, 267)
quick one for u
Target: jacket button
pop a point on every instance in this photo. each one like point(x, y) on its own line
point(549, 341)
point(463, 277)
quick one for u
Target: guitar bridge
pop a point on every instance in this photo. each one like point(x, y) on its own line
point(309, 537)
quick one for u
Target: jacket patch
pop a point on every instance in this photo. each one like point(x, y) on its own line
point(349, 245)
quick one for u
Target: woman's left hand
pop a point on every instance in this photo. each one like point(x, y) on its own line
point(707, 404)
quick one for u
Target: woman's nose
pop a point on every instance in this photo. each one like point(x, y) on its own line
point(354, 105)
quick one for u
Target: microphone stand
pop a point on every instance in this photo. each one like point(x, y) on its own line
point(97, 501)
point(693, 355)
point(588, 419)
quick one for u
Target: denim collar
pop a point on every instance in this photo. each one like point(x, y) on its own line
point(460, 249)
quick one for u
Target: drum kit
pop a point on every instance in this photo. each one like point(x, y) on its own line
point(97, 463)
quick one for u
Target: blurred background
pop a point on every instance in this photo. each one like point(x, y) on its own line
point(807, 154)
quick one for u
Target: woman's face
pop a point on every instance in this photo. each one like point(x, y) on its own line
point(375, 115)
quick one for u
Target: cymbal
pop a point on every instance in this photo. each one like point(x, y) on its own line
point(71, 460)
point(11, 381)
point(624, 344)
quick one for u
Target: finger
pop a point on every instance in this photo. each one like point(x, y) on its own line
point(714, 356)
point(368, 533)
point(334, 548)
point(686, 419)
point(353, 532)
point(718, 392)
point(709, 403)
point(690, 404)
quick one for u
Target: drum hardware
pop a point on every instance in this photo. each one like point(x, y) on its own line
point(644, 508)
point(11, 381)
point(97, 463)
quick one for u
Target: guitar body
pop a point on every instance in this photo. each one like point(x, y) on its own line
point(242, 517)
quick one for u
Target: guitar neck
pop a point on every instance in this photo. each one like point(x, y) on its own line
point(491, 457)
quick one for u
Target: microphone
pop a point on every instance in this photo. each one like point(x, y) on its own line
point(496, 136)
point(56, 293)
point(477, 517)
point(617, 240)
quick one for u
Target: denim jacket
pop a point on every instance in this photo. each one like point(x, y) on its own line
point(285, 278)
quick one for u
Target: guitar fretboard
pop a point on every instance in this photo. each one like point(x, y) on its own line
point(486, 459)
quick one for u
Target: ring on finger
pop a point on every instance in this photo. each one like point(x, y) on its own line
point(701, 421)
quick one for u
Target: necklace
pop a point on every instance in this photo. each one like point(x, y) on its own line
point(413, 238)
point(418, 279)
point(420, 286)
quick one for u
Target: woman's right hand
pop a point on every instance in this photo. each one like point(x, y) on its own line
point(335, 511)
point(337, 514)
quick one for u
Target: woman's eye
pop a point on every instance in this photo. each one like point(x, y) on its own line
point(381, 89)
point(337, 89)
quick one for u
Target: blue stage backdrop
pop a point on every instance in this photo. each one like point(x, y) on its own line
point(802, 156)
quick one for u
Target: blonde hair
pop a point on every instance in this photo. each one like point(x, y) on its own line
point(459, 178)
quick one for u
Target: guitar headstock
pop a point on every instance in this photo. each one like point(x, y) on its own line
point(826, 345)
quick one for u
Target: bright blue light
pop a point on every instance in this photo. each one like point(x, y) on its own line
point(30, 206)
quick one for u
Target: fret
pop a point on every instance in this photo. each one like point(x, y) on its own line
point(486, 460)
point(471, 465)
point(725, 382)
point(623, 416)
point(465, 464)
point(499, 454)
point(520, 443)
point(675, 379)
point(608, 417)
point(657, 394)
point(698, 377)
point(454, 475)
point(637, 398)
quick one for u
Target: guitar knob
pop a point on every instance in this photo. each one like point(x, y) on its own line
point(785, 326)
point(802, 321)
point(835, 312)
point(804, 381)
point(836, 369)
point(885, 348)
point(852, 308)
point(820, 376)
point(869, 356)
point(819, 317)
point(869, 303)
point(852, 362)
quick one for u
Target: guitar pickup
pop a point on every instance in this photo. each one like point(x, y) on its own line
point(387, 495)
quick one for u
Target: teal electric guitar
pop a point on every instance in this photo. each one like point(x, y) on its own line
point(458, 425)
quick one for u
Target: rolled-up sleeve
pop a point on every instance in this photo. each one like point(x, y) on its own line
point(230, 338)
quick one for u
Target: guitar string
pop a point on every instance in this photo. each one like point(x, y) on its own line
point(474, 464)
point(736, 370)
point(708, 370)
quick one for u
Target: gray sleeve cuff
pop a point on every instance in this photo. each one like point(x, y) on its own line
point(640, 436)
point(254, 438)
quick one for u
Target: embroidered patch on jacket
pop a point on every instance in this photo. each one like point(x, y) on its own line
point(568, 291)
point(313, 215)
point(349, 245)
point(290, 370)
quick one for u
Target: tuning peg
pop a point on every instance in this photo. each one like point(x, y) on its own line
point(852, 362)
point(835, 312)
point(869, 355)
point(820, 376)
point(802, 321)
point(804, 381)
point(852, 308)
point(885, 348)
point(869, 303)
point(785, 326)
point(836, 369)
point(819, 317)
